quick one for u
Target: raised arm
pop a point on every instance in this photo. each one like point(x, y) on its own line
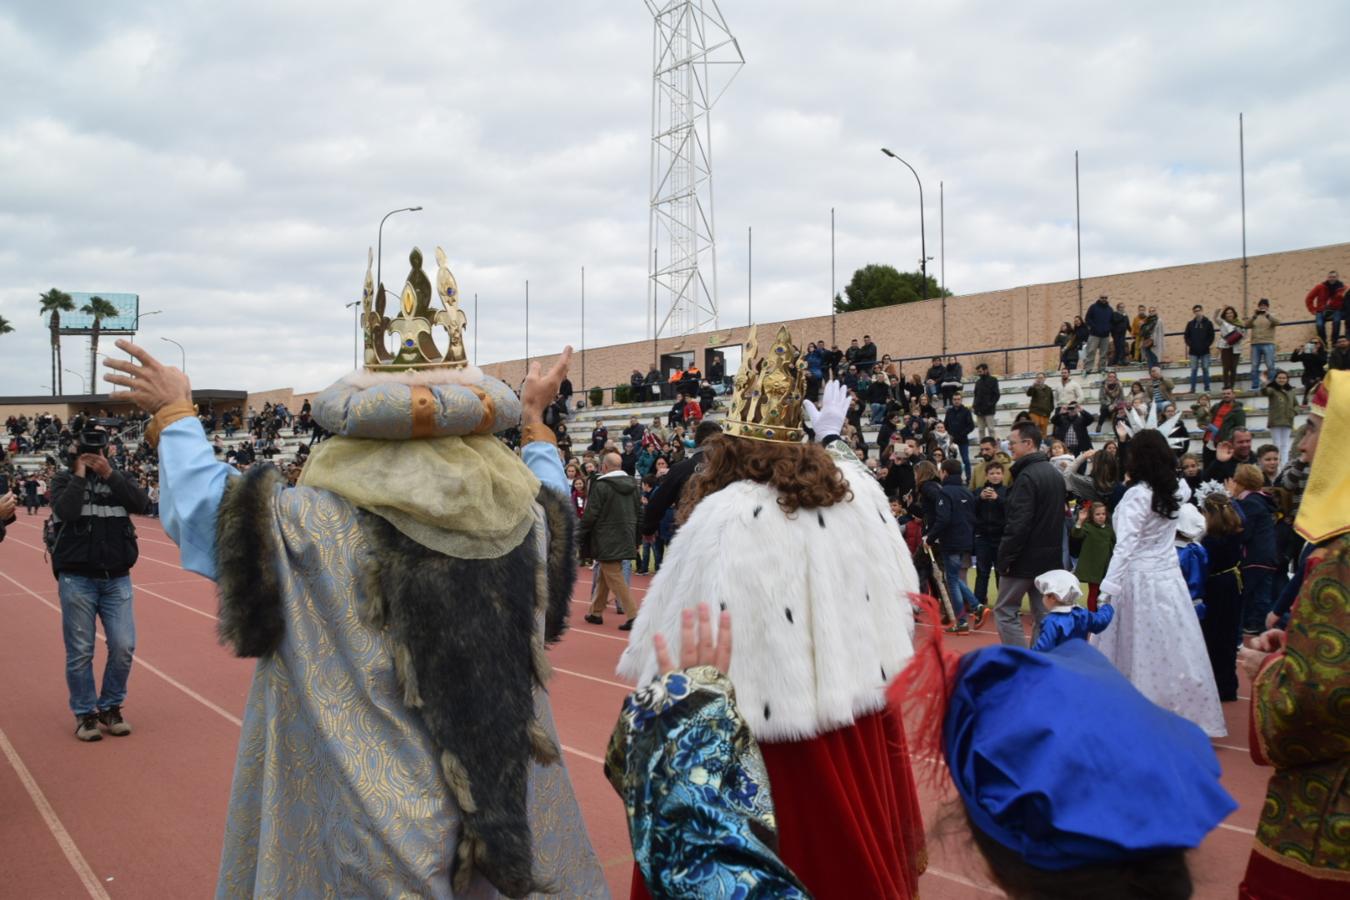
point(539, 445)
point(192, 480)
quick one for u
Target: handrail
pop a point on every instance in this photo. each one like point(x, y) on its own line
point(668, 389)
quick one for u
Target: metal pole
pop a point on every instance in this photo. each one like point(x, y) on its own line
point(656, 362)
point(583, 329)
point(942, 241)
point(923, 239)
point(379, 241)
point(527, 326)
point(475, 329)
point(182, 353)
point(1078, 229)
point(1242, 173)
point(749, 275)
point(834, 340)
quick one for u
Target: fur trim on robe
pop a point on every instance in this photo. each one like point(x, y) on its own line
point(466, 644)
point(819, 602)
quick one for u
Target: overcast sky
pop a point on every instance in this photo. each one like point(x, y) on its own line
point(230, 161)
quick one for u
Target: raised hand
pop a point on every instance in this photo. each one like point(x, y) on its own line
point(151, 385)
point(541, 388)
point(696, 642)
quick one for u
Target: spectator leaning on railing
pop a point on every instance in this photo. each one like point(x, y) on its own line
point(1326, 302)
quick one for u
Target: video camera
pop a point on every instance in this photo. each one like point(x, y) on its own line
point(95, 441)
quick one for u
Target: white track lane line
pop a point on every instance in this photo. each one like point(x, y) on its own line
point(235, 719)
point(138, 660)
point(44, 807)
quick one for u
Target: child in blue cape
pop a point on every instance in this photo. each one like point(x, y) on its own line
point(1066, 620)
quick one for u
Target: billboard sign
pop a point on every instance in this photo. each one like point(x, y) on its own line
point(128, 308)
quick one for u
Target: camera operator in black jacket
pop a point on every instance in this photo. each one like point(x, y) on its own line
point(93, 547)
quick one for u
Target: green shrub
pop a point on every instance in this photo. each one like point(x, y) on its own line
point(597, 396)
point(623, 393)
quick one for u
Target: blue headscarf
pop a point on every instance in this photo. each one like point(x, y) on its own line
point(1060, 759)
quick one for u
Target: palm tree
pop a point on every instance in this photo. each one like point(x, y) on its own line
point(56, 302)
point(5, 327)
point(100, 309)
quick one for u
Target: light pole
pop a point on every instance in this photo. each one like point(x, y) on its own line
point(84, 385)
point(379, 240)
point(356, 327)
point(923, 246)
point(923, 240)
point(181, 352)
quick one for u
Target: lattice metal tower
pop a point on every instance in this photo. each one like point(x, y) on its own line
point(695, 57)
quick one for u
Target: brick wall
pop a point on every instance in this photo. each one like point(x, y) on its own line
point(1007, 318)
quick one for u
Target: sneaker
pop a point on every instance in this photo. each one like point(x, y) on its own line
point(981, 614)
point(627, 626)
point(87, 729)
point(959, 628)
point(111, 719)
point(594, 620)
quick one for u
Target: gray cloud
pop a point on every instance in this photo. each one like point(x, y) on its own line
point(231, 162)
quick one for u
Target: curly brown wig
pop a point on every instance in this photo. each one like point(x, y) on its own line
point(803, 474)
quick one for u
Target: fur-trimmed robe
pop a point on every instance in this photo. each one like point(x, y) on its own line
point(820, 606)
point(397, 739)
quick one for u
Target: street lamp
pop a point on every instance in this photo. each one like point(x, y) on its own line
point(379, 241)
point(182, 353)
point(923, 240)
point(84, 385)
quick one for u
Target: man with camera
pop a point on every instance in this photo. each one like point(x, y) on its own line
point(93, 547)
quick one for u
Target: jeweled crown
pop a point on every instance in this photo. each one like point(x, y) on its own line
point(766, 401)
point(415, 320)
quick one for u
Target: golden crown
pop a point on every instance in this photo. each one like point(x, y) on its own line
point(415, 320)
point(766, 402)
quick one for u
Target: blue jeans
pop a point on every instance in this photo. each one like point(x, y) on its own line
point(652, 552)
point(1201, 363)
point(1262, 352)
point(1150, 357)
point(964, 449)
point(109, 599)
point(963, 598)
point(986, 554)
point(878, 413)
point(1335, 317)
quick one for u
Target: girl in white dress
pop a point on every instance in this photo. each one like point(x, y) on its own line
point(1156, 640)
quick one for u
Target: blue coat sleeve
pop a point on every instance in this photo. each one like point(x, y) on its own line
point(1055, 630)
point(191, 483)
point(542, 459)
point(1101, 619)
point(696, 792)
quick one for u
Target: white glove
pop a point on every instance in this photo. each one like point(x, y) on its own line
point(828, 418)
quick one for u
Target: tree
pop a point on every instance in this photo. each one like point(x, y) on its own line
point(876, 285)
point(100, 309)
point(5, 327)
point(56, 302)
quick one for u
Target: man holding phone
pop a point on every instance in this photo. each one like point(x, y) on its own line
point(93, 547)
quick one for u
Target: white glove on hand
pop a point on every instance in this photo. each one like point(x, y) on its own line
point(828, 418)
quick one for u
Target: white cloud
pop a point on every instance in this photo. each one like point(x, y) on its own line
point(231, 162)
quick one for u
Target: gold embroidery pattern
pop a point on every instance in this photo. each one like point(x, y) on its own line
point(336, 790)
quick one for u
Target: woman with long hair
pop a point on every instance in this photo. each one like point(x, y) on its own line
point(1067, 343)
point(1155, 640)
point(797, 542)
point(1260, 552)
point(1223, 590)
point(1231, 336)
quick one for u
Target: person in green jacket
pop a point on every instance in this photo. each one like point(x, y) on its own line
point(1283, 404)
point(1042, 403)
point(610, 532)
point(1093, 529)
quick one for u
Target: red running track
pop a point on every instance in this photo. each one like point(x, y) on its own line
point(143, 816)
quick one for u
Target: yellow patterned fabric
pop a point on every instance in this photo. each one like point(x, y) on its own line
point(1301, 726)
point(1325, 509)
point(336, 791)
point(467, 497)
